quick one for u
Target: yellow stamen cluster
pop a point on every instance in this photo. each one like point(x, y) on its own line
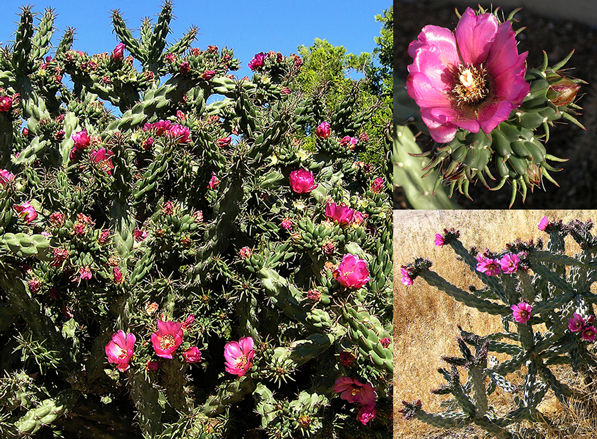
point(471, 85)
point(167, 341)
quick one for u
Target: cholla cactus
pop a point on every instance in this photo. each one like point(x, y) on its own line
point(215, 250)
point(489, 115)
point(527, 286)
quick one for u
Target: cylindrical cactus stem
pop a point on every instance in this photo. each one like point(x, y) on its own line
point(146, 399)
point(26, 246)
point(46, 413)
point(226, 394)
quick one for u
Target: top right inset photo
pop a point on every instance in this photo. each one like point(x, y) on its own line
point(495, 105)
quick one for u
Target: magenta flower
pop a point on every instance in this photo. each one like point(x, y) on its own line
point(543, 224)
point(139, 234)
point(378, 185)
point(352, 390)
point(323, 130)
point(6, 177)
point(489, 266)
point(302, 181)
point(179, 132)
point(589, 333)
point(213, 182)
point(257, 61)
point(286, 224)
point(192, 355)
point(167, 338)
point(439, 240)
point(185, 67)
point(26, 211)
point(509, 263)
point(352, 272)
point(85, 273)
point(81, 139)
point(5, 104)
point(351, 142)
point(366, 414)
point(385, 342)
point(245, 252)
point(103, 158)
point(340, 213)
point(152, 366)
point(472, 78)
point(224, 141)
point(120, 350)
point(208, 74)
point(576, 323)
point(406, 279)
point(521, 312)
point(118, 53)
point(238, 356)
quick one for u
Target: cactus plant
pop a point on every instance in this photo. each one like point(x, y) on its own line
point(528, 285)
point(178, 264)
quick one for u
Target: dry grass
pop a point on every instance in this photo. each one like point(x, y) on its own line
point(425, 319)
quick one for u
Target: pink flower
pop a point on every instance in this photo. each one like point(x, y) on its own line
point(185, 67)
point(104, 236)
point(257, 61)
point(378, 185)
point(302, 181)
point(81, 139)
point(118, 53)
point(489, 266)
point(179, 132)
point(509, 263)
point(208, 74)
point(5, 104)
point(286, 224)
point(139, 234)
point(543, 224)
point(188, 321)
point(118, 277)
point(439, 240)
point(213, 182)
point(85, 273)
point(167, 338)
point(314, 295)
point(340, 213)
point(472, 78)
point(102, 157)
point(352, 390)
point(576, 323)
point(521, 312)
point(589, 333)
point(120, 350)
point(34, 285)
point(406, 279)
point(224, 141)
point(26, 211)
point(352, 272)
point(385, 342)
point(351, 142)
point(245, 252)
point(192, 355)
point(6, 177)
point(323, 130)
point(366, 414)
point(238, 356)
point(358, 218)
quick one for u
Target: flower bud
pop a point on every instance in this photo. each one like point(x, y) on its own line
point(563, 92)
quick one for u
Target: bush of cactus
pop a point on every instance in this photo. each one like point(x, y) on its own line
point(185, 253)
point(544, 299)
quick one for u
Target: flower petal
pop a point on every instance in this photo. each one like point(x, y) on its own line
point(474, 36)
point(421, 89)
point(491, 115)
point(439, 37)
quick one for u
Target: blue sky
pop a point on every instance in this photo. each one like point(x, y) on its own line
point(247, 27)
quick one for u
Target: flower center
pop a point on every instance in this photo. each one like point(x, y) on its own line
point(167, 341)
point(123, 354)
point(471, 85)
point(242, 361)
point(524, 314)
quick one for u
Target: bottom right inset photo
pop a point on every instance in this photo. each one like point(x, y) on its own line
point(494, 331)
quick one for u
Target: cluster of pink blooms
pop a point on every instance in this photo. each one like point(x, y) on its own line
point(302, 181)
point(323, 130)
point(166, 340)
point(353, 391)
point(471, 78)
point(521, 312)
point(167, 128)
point(352, 272)
point(343, 214)
point(351, 142)
point(508, 264)
point(586, 328)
